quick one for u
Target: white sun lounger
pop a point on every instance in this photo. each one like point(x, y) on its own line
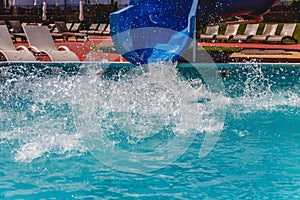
point(8, 50)
point(40, 41)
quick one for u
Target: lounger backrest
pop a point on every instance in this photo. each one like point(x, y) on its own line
point(61, 26)
point(75, 27)
point(2, 22)
point(232, 29)
point(270, 29)
point(69, 25)
point(288, 29)
point(16, 25)
point(93, 27)
point(5, 39)
point(251, 29)
point(212, 30)
point(101, 27)
point(107, 29)
point(40, 37)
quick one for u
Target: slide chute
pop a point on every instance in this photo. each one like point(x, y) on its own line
point(162, 30)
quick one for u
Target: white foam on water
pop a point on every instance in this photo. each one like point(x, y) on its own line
point(268, 102)
point(259, 94)
point(144, 101)
point(37, 117)
point(118, 118)
point(148, 111)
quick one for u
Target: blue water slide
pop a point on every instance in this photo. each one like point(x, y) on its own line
point(162, 30)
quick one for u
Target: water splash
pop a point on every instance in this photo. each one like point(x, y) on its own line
point(142, 110)
point(37, 117)
point(149, 114)
point(261, 92)
point(140, 120)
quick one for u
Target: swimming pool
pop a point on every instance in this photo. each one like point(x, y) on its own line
point(107, 131)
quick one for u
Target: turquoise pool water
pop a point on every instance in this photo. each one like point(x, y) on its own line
point(95, 131)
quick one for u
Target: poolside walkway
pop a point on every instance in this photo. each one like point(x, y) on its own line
point(260, 52)
point(266, 56)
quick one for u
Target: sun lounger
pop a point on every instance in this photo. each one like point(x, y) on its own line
point(287, 32)
point(91, 29)
point(17, 30)
point(251, 29)
point(269, 29)
point(106, 30)
point(210, 33)
point(54, 32)
point(56, 35)
point(2, 22)
point(69, 26)
point(231, 30)
point(8, 50)
point(100, 29)
point(40, 41)
point(75, 28)
point(62, 28)
point(52, 28)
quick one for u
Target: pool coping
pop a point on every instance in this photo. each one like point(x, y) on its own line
point(127, 64)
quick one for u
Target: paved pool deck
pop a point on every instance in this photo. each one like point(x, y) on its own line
point(261, 52)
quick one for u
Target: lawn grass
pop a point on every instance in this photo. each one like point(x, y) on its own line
point(105, 49)
point(217, 48)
